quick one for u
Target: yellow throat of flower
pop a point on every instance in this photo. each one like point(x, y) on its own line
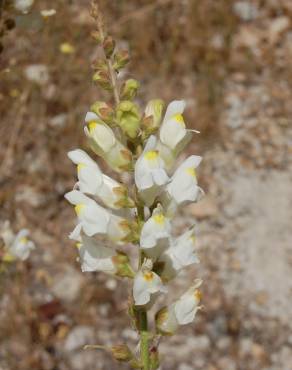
point(198, 295)
point(179, 119)
point(23, 240)
point(191, 171)
point(92, 125)
point(78, 208)
point(80, 166)
point(148, 276)
point(159, 219)
point(78, 245)
point(151, 155)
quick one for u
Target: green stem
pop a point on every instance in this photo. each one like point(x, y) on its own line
point(144, 337)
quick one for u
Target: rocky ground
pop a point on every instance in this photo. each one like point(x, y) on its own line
point(49, 310)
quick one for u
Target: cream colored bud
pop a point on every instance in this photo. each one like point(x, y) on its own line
point(129, 89)
point(153, 115)
point(128, 118)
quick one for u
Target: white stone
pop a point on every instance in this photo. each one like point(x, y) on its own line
point(245, 10)
point(78, 337)
point(37, 73)
point(67, 285)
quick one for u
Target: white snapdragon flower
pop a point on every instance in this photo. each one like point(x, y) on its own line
point(183, 187)
point(156, 229)
point(146, 283)
point(17, 246)
point(92, 181)
point(150, 174)
point(173, 133)
point(181, 253)
point(93, 219)
point(105, 144)
point(94, 257)
point(89, 175)
point(181, 312)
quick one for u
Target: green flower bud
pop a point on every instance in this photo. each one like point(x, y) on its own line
point(121, 59)
point(128, 118)
point(129, 89)
point(122, 353)
point(122, 264)
point(99, 65)
point(109, 46)
point(124, 200)
point(103, 110)
point(103, 80)
point(96, 36)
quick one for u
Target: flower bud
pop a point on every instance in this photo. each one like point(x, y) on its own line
point(122, 353)
point(121, 59)
point(99, 65)
point(166, 323)
point(123, 267)
point(103, 110)
point(129, 89)
point(104, 143)
point(103, 80)
point(96, 36)
point(123, 199)
point(128, 118)
point(152, 117)
point(109, 46)
point(154, 108)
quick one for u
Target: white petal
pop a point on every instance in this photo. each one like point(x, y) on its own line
point(90, 116)
point(145, 284)
point(78, 156)
point(95, 257)
point(160, 177)
point(183, 186)
point(192, 161)
point(140, 292)
point(170, 324)
point(104, 137)
point(157, 227)
point(106, 192)
point(76, 233)
point(115, 231)
point(90, 180)
point(95, 219)
point(175, 107)
point(185, 310)
point(143, 177)
point(187, 306)
point(150, 144)
point(172, 133)
point(76, 197)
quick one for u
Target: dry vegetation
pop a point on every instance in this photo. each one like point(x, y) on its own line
point(232, 63)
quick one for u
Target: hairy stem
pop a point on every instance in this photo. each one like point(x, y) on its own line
point(144, 340)
point(112, 73)
point(114, 81)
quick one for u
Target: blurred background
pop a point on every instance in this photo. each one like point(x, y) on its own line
point(231, 61)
